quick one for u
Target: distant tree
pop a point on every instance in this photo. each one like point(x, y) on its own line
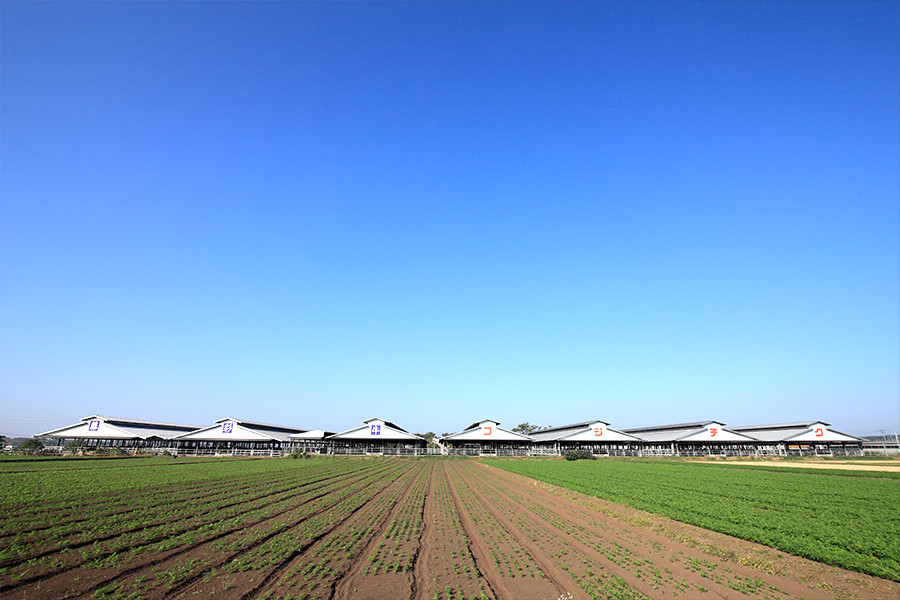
point(526, 428)
point(32, 445)
point(429, 437)
point(74, 445)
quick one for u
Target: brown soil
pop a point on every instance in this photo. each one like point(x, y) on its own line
point(454, 529)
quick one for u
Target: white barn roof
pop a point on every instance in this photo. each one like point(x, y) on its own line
point(699, 431)
point(315, 434)
point(236, 430)
point(486, 430)
point(588, 431)
point(376, 429)
point(115, 428)
point(807, 431)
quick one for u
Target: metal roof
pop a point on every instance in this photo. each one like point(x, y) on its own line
point(779, 426)
point(140, 422)
point(255, 425)
point(388, 423)
point(565, 427)
point(685, 426)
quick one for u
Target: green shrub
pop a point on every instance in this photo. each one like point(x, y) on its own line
point(579, 455)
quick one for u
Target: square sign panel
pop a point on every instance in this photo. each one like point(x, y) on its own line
point(375, 430)
point(94, 426)
point(227, 427)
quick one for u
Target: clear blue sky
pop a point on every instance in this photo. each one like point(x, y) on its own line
point(316, 213)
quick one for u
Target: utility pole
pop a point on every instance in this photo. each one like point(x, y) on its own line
point(883, 445)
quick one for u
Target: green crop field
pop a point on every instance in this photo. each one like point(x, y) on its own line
point(848, 519)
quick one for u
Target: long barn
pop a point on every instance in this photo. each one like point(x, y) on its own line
point(100, 433)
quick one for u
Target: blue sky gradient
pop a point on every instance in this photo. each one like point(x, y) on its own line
point(316, 213)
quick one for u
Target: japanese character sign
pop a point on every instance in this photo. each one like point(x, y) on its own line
point(488, 430)
point(227, 427)
point(94, 426)
point(598, 431)
point(713, 431)
point(819, 432)
point(374, 429)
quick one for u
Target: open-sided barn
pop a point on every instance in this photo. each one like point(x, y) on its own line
point(804, 439)
point(486, 438)
point(702, 438)
point(98, 432)
point(596, 437)
point(235, 437)
point(377, 436)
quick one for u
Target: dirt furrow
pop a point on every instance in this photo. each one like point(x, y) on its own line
point(446, 568)
point(375, 576)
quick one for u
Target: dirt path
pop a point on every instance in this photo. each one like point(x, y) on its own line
point(885, 466)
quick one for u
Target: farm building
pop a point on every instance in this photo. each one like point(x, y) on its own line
point(308, 441)
point(486, 438)
point(234, 437)
point(377, 436)
point(97, 432)
point(812, 438)
point(702, 438)
point(595, 436)
point(881, 444)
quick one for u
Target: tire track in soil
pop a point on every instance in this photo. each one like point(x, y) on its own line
point(375, 529)
point(347, 588)
point(477, 547)
point(555, 575)
point(430, 554)
point(280, 567)
point(418, 576)
point(48, 579)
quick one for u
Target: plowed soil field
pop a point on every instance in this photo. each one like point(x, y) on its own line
point(387, 529)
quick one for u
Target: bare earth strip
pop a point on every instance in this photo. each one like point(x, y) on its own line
point(443, 530)
point(885, 466)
